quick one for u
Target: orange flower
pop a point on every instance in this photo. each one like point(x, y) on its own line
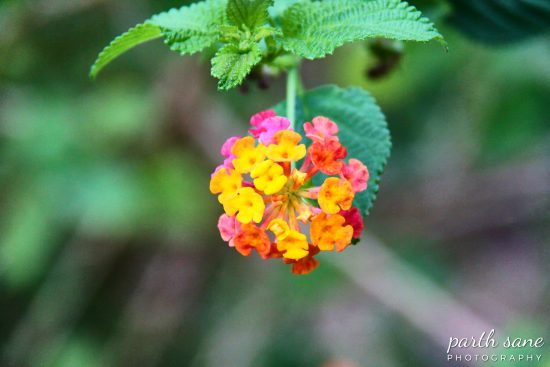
point(335, 194)
point(327, 155)
point(328, 232)
point(251, 237)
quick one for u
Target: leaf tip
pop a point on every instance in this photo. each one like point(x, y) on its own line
point(443, 43)
point(93, 72)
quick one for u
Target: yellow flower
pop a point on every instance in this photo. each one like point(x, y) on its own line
point(286, 148)
point(246, 155)
point(268, 177)
point(335, 194)
point(279, 228)
point(292, 243)
point(225, 184)
point(248, 203)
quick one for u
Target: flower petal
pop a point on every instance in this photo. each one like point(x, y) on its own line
point(357, 174)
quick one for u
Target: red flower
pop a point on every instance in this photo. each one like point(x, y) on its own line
point(353, 218)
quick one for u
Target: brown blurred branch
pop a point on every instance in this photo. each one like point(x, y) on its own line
point(380, 274)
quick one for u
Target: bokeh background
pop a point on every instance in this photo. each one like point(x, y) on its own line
point(109, 252)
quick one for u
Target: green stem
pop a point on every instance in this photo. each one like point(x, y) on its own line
point(291, 86)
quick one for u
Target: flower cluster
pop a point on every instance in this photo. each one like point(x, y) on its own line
point(271, 206)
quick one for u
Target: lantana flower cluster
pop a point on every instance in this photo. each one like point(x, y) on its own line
point(269, 201)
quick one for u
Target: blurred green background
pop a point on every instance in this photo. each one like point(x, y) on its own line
point(109, 251)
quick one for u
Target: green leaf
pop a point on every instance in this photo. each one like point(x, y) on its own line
point(250, 13)
point(363, 130)
point(315, 29)
point(231, 65)
point(192, 28)
point(501, 21)
point(186, 30)
point(135, 36)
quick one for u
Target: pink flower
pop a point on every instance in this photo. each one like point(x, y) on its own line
point(226, 147)
point(228, 227)
point(357, 174)
point(321, 129)
point(266, 124)
point(257, 120)
point(227, 164)
point(354, 219)
point(226, 152)
point(270, 127)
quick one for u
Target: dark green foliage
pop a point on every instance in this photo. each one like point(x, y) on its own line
point(238, 29)
point(499, 21)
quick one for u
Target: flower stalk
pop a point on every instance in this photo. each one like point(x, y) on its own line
point(291, 88)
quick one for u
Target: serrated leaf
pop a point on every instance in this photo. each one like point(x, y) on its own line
point(133, 37)
point(363, 130)
point(250, 13)
point(231, 65)
point(189, 42)
point(315, 29)
point(501, 20)
point(192, 28)
point(186, 30)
